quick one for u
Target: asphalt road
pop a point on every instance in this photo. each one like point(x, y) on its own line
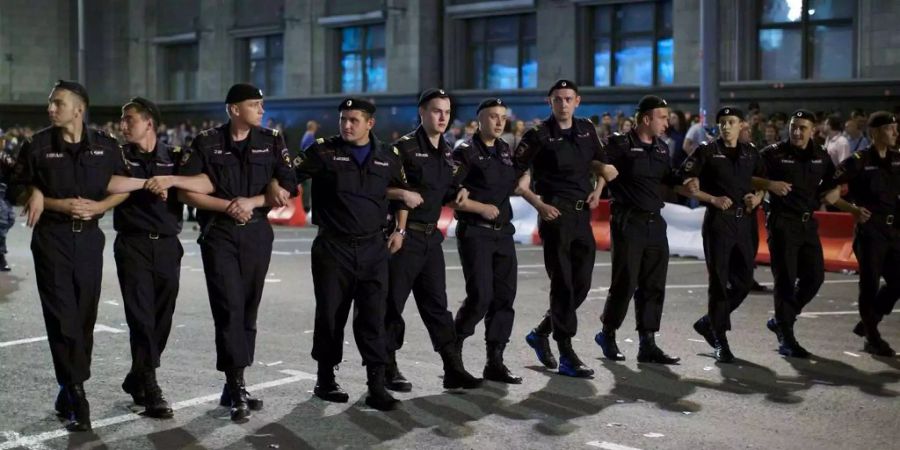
point(842, 398)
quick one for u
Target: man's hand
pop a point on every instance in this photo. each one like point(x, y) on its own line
point(593, 199)
point(609, 172)
point(489, 212)
point(395, 242)
point(277, 196)
point(85, 209)
point(722, 203)
point(412, 199)
point(461, 196)
point(692, 185)
point(34, 207)
point(160, 185)
point(862, 215)
point(751, 201)
point(240, 209)
point(548, 212)
point(780, 188)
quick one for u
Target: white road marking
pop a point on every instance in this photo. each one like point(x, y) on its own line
point(273, 280)
point(813, 315)
point(697, 340)
point(37, 439)
point(610, 445)
point(851, 354)
point(98, 328)
point(654, 435)
point(110, 302)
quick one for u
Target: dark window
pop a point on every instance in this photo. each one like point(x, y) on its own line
point(265, 63)
point(180, 71)
point(632, 44)
point(363, 66)
point(806, 39)
point(502, 52)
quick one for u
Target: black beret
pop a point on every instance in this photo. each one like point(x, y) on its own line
point(489, 103)
point(243, 91)
point(881, 118)
point(729, 111)
point(429, 94)
point(146, 105)
point(75, 88)
point(804, 114)
point(563, 84)
point(649, 102)
point(360, 104)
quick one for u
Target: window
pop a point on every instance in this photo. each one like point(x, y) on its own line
point(632, 44)
point(362, 65)
point(265, 63)
point(180, 71)
point(502, 52)
point(794, 36)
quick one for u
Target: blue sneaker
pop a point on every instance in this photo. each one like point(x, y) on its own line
point(773, 327)
point(569, 363)
point(607, 343)
point(541, 345)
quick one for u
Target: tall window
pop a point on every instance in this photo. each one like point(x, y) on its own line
point(180, 71)
point(265, 63)
point(363, 66)
point(502, 52)
point(633, 44)
point(806, 39)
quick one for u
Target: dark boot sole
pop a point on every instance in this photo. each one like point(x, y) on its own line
point(399, 387)
point(382, 405)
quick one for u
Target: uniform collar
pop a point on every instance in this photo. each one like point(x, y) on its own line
point(425, 143)
point(556, 131)
point(478, 143)
point(86, 138)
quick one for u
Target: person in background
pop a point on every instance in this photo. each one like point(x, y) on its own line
point(855, 137)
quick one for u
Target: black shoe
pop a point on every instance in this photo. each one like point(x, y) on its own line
point(62, 405)
point(4, 267)
point(541, 345)
point(234, 387)
point(607, 343)
point(772, 325)
point(255, 404)
point(756, 287)
point(723, 350)
point(859, 329)
point(455, 374)
point(789, 346)
point(879, 347)
point(379, 398)
point(394, 380)
point(81, 409)
point(703, 328)
point(155, 404)
point(569, 362)
point(330, 391)
point(648, 352)
point(134, 386)
point(495, 369)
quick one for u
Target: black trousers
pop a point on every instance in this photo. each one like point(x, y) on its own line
point(149, 271)
point(69, 269)
point(490, 268)
point(877, 248)
point(728, 247)
point(569, 253)
point(640, 261)
point(418, 267)
point(235, 262)
point(797, 264)
point(344, 273)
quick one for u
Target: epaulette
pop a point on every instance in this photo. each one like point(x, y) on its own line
point(320, 141)
point(176, 149)
point(857, 155)
point(407, 143)
point(209, 132)
point(269, 131)
point(464, 144)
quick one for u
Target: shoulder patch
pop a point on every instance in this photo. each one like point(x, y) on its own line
point(320, 141)
point(176, 149)
point(857, 155)
point(396, 152)
point(405, 138)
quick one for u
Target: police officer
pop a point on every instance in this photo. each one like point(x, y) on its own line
point(561, 153)
point(484, 237)
point(418, 266)
point(725, 169)
point(795, 169)
point(640, 249)
point(147, 249)
point(873, 177)
point(7, 215)
point(67, 168)
point(251, 171)
point(351, 173)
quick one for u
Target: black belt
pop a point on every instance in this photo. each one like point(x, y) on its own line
point(147, 234)
point(572, 205)
point(427, 228)
point(77, 225)
point(224, 219)
point(628, 212)
point(802, 217)
point(496, 226)
point(887, 219)
point(353, 240)
point(731, 212)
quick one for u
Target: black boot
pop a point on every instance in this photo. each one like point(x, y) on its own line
point(606, 339)
point(648, 352)
point(394, 380)
point(723, 350)
point(134, 386)
point(569, 363)
point(495, 369)
point(860, 329)
point(455, 374)
point(62, 405)
point(704, 328)
point(789, 346)
point(327, 388)
point(541, 345)
point(155, 404)
point(81, 409)
point(254, 403)
point(234, 386)
point(378, 398)
point(875, 344)
point(4, 267)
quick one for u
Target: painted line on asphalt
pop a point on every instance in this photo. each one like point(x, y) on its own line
point(38, 439)
point(701, 286)
point(610, 445)
point(813, 315)
point(98, 328)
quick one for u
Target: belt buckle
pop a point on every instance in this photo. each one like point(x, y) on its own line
point(739, 212)
point(153, 236)
point(77, 226)
point(805, 217)
point(889, 220)
point(497, 226)
point(239, 224)
point(579, 205)
point(429, 228)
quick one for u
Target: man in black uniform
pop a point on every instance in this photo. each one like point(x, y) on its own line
point(725, 169)
point(350, 174)
point(418, 266)
point(640, 248)
point(147, 250)
point(873, 175)
point(484, 237)
point(251, 171)
point(795, 169)
point(67, 168)
point(562, 152)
